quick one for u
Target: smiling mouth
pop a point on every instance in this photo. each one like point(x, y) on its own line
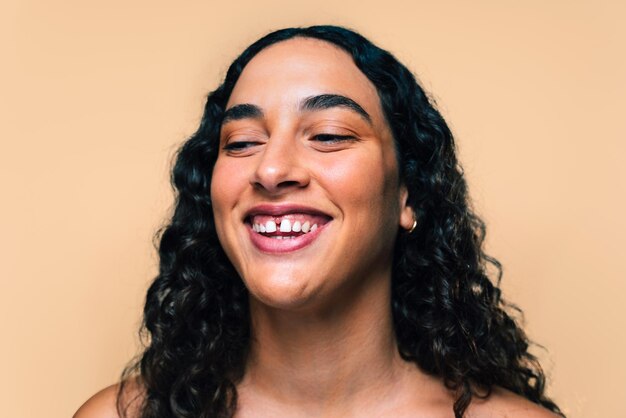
point(284, 229)
point(287, 226)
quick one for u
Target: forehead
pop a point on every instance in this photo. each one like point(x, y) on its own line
point(284, 73)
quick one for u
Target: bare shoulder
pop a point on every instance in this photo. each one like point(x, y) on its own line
point(506, 404)
point(104, 403)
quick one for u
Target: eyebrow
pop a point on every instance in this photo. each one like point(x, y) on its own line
point(327, 101)
point(318, 102)
point(242, 111)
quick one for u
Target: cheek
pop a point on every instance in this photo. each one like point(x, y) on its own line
point(364, 180)
point(225, 188)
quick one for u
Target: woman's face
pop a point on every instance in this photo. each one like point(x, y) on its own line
point(305, 191)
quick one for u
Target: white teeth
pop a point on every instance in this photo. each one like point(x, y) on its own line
point(270, 226)
point(285, 225)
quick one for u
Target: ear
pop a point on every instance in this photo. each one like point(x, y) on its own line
point(407, 215)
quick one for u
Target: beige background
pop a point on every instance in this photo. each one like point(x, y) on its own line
point(97, 95)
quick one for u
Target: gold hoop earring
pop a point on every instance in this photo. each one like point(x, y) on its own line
point(413, 226)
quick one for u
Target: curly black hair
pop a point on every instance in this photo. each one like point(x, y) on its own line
point(449, 317)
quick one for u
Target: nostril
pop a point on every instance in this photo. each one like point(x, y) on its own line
point(288, 183)
point(279, 185)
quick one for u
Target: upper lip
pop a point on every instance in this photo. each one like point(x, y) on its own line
point(282, 209)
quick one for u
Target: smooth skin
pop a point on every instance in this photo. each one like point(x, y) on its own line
point(323, 342)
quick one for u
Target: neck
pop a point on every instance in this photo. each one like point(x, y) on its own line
point(332, 357)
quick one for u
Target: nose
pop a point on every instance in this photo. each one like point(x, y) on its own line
point(280, 167)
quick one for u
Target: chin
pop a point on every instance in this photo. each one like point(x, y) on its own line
point(284, 292)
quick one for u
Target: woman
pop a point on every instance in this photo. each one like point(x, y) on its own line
point(322, 259)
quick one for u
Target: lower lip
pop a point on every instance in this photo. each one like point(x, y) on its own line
point(278, 246)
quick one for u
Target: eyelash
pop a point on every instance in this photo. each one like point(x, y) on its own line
point(323, 138)
point(239, 145)
point(332, 138)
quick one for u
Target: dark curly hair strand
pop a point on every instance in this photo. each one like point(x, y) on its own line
point(449, 317)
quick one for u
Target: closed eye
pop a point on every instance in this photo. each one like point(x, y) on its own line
point(331, 138)
point(239, 145)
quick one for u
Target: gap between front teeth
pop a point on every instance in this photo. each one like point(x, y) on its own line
point(285, 226)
